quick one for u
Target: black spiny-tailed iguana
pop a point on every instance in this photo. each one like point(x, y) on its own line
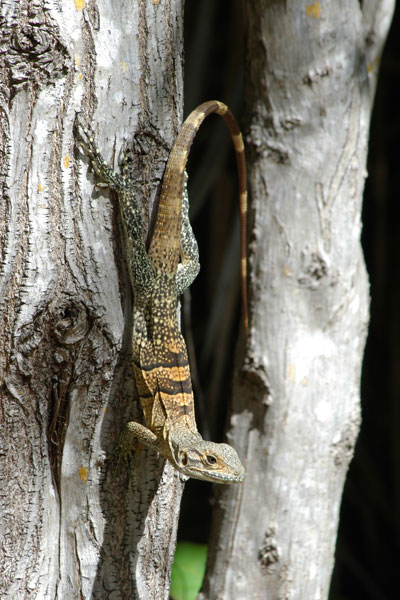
point(160, 360)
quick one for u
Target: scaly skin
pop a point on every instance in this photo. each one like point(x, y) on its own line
point(160, 360)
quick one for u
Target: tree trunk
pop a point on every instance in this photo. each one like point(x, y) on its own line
point(310, 76)
point(74, 525)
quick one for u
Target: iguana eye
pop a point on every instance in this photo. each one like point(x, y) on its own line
point(211, 459)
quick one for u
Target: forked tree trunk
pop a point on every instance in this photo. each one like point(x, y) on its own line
point(74, 526)
point(311, 69)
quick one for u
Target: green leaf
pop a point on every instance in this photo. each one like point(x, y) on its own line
point(188, 570)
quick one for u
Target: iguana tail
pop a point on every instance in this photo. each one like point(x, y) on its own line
point(165, 244)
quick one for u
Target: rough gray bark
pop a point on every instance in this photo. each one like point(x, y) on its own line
point(74, 526)
point(311, 73)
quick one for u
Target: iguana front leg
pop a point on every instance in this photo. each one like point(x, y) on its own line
point(133, 434)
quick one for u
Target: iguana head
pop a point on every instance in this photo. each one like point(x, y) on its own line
point(204, 460)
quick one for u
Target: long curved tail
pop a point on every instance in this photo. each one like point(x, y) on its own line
point(165, 243)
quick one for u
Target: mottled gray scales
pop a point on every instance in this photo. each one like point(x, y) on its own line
point(160, 361)
point(189, 267)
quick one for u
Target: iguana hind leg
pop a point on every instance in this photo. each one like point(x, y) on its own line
point(189, 266)
point(142, 272)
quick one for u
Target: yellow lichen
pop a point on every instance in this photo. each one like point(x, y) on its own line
point(83, 474)
point(80, 4)
point(313, 10)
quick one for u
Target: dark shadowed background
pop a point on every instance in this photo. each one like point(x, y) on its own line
point(368, 548)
